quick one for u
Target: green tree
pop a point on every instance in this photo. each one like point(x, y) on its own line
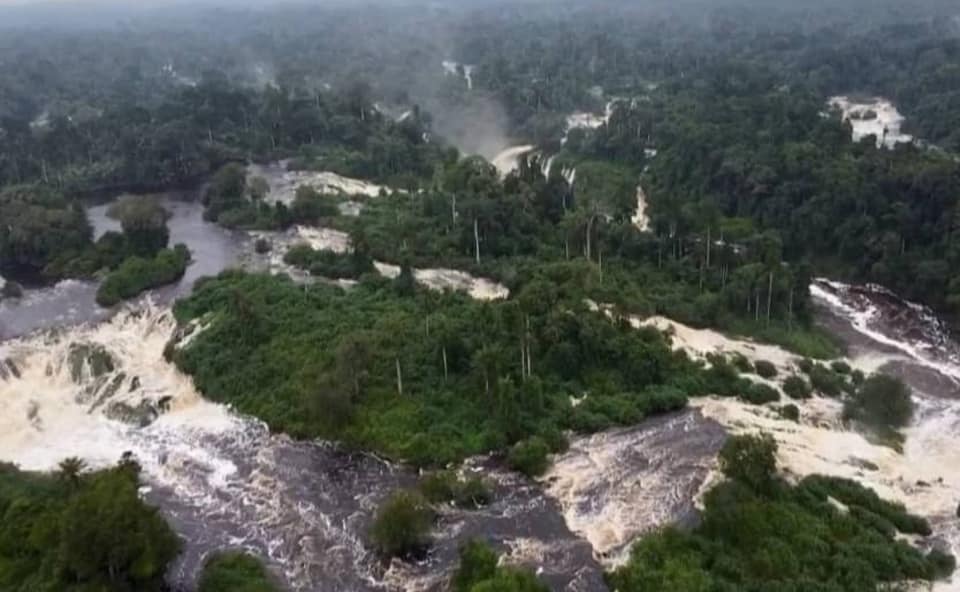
point(752, 460)
point(402, 525)
point(235, 572)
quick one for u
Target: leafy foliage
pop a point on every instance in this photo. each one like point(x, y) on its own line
point(235, 572)
point(84, 531)
point(136, 275)
point(479, 572)
point(326, 363)
point(402, 525)
point(759, 533)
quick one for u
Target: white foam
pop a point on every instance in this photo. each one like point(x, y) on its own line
point(640, 218)
point(284, 183)
point(45, 415)
point(509, 160)
point(886, 125)
point(326, 239)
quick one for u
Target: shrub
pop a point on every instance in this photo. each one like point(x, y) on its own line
point(841, 367)
point(529, 457)
point(262, 246)
point(881, 401)
point(137, 275)
point(447, 486)
point(790, 413)
point(765, 369)
point(760, 394)
point(805, 365)
point(235, 572)
point(827, 382)
point(751, 460)
point(473, 493)
point(796, 387)
point(741, 363)
point(478, 562)
point(402, 525)
point(479, 572)
point(722, 378)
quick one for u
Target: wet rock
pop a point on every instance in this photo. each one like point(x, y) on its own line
point(93, 357)
point(140, 415)
point(11, 290)
point(8, 370)
point(863, 464)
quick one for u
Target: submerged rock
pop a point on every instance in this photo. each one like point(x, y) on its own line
point(93, 357)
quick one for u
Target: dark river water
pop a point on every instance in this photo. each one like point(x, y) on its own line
point(225, 482)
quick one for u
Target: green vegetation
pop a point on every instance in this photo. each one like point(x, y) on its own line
point(765, 369)
point(529, 457)
point(136, 275)
point(40, 229)
point(881, 401)
point(329, 264)
point(402, 525)
point(760, 394)
point(796, 387)
point(447, 486)
point(790, 412)
point(144, 224)
point(76, 532)
point(758, 533)
point(235, 572)
point(426, 377)
point(479, 572)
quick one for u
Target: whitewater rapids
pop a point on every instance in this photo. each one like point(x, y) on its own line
point(883, 333)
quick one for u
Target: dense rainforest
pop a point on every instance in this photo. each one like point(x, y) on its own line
point(714, 184)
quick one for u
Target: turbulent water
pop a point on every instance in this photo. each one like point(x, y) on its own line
point(876, 117)
point(76, 380)
point(71, 302)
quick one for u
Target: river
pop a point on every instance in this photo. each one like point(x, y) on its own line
point(223, 481)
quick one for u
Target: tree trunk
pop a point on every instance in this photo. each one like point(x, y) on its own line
point(770, 299)
point(476, 238)
point(589, 246)
point(399, 378)
point(453, 210)
point(790, 311)
point(600, 261)
point(446, 371)
point(709, 247)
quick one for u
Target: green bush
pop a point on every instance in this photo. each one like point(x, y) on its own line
point(530, 457)
point(790, 413)
point(881, 402)
point(447, 486)
point(235, 572)
point(262, 246)
point(402, 525)
point(760, 394)
point(478, 563)
point(329, 264)
point(796, 387)
point(765, 369)
point(841, 367)
point(137, 275)
point(778, 537)
point(827, 382)
point(479, 572)
point(752, 460)
point(741, 363)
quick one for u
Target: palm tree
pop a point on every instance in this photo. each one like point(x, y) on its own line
point(70, 470)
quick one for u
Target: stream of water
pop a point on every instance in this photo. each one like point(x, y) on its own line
point(76, 380)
